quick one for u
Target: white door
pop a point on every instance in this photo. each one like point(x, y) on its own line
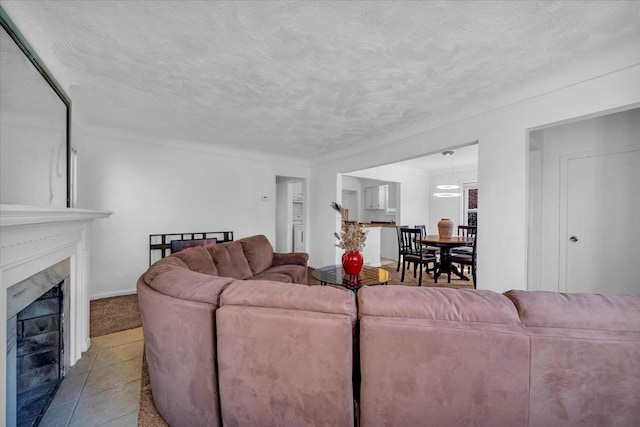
point(600, 235)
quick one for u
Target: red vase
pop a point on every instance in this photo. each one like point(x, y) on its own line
point(352, 262)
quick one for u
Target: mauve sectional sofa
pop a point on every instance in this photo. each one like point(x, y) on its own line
point(448, 357)
point(244, 351)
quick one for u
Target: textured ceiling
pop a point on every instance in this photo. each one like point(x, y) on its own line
point(304, 78)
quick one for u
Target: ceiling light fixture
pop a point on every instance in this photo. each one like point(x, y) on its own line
point(448, 153)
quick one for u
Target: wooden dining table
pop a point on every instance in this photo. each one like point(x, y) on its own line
point(445, 246)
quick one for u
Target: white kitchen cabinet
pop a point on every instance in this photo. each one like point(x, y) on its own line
point(375, 197)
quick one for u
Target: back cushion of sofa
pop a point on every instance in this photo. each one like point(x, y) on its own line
point(285, 354)
point(198, 259)
point(266, 293)
point(230, 260)
point(578, 310)
point(259, 253)
point(441, 357)
point(190, 285)
point(162, 265)
point(467, 305)
point(585, 357)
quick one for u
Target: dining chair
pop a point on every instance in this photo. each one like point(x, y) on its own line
point(401, 249)
point(416, 253)
point(465, 231)
point(466, 260)
point(431, 249)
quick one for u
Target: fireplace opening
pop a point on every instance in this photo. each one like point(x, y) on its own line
point(40, 355)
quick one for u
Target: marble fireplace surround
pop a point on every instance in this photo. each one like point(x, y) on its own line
point(33, 239)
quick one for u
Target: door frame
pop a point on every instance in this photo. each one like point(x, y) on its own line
point(287, 227)
point(465, 186)
point(563, 213)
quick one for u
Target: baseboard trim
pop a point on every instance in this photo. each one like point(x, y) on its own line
point(113, 294)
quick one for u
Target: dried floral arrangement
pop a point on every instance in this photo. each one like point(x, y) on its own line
point(352, 236)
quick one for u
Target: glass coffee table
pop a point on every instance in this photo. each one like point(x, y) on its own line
point(335, 275)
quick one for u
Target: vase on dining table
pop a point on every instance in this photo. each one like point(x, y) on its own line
point(445, 228)
point(352, 262)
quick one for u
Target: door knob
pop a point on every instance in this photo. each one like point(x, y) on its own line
point(573, 239)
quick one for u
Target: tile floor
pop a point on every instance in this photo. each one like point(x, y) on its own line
point(103, 388)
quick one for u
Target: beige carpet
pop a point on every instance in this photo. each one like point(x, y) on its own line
point(148, 415)
point(115, 314)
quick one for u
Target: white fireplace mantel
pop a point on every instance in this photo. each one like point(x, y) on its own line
point(14, 215)
point(33, 239)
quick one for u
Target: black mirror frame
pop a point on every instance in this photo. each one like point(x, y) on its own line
point(25, 47)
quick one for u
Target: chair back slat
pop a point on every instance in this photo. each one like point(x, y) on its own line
point(423, 229)
point(467, 230)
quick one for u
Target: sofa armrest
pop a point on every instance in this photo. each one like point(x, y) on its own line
point(180, 348)
point(299, 258)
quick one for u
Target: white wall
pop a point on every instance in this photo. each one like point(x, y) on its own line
point(352, 184)
point(608, 132)
point(160, 189)
point(502, 169)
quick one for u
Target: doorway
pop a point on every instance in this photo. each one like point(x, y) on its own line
point(583, 205)
point(291, 214)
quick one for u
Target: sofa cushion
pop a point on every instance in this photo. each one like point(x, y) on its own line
point(263, 293)
point(258, 251)
point(162, 265)
point(441, 357)
point(190, 285)
point(585, 357)
point(285, 354)
point(230, 260)
point(277, 277)
point(180, 349)
point(577, 311)
point(198, 259)
point(468, 305)
point(300, 258)
point(294, 273)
